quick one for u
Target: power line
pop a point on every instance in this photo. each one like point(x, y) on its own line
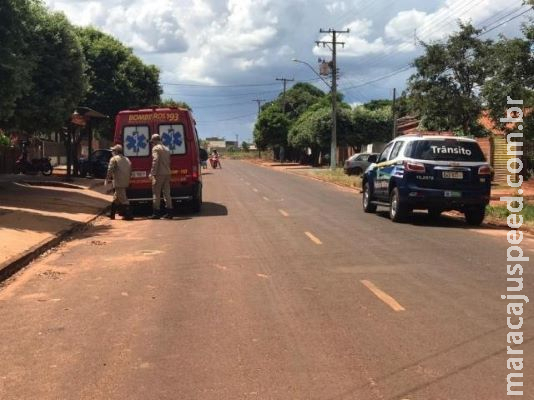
point(227, 119)
point(217, 86)
point(505, 22)
point(409, 66)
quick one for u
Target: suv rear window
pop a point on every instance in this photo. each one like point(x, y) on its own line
point(445, 150)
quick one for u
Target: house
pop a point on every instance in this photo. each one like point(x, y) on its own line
point(215, 143)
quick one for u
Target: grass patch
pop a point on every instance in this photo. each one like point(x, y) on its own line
point(500, 213)
point(248, 155)
point(337, 176)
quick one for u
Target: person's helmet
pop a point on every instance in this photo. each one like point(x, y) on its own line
point(155, 138)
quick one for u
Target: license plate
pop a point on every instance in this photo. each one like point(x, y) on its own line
point(453, 194)
point(452, 175)
point(138, 174)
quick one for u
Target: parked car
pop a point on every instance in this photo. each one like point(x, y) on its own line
point(357, 163)
point(96, 165)
point(433, 173)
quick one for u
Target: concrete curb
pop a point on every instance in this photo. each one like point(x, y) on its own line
point(15, 264)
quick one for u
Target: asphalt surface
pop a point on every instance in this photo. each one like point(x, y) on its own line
point(282, 288)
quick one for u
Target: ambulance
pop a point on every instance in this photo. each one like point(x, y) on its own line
point(176, 127)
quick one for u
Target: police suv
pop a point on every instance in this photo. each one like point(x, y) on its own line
point(434, 173)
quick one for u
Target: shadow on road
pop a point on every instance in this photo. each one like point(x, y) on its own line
point(183, 212)
point(443, 221)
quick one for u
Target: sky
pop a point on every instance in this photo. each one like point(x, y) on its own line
point(221, 57)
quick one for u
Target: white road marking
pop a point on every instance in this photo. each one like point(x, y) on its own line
point(263, 276)
point(255, 190)
point(265, 198)
point(313, 238)
point(285, 214)
point(386, 298)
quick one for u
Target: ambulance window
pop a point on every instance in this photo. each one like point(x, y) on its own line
point(172, 137)
point(136, 141)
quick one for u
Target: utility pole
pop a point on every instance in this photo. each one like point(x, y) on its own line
point(285, 80)
point(259, 101)
point(394, 112)
point(333, 43)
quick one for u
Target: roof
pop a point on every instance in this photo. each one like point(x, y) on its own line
point(426, 136)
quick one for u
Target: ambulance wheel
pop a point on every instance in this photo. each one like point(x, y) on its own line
point(196, 203)
point(398, 212)
point(368, 207)
point(475, 215)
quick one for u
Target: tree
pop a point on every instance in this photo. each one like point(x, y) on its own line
point(370, 125)
point(511, 73)
point(174, 103)
point(57, 82)
point(271, 128)
point(378, 104)
point(448, 78)
point(245, 146)
point(118, 79)
point(17, 61)
point(299, 98)
point(313, 129)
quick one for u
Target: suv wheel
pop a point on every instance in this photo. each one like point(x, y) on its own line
point(397, 209)
point(475, 215)
point(368, 207)
point(358, 171)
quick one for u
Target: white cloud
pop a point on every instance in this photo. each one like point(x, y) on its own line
point(231, 42)
point(403, 25)
point(355, 42)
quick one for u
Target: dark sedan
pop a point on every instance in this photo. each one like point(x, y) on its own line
point(96, 165)
point(357, 163)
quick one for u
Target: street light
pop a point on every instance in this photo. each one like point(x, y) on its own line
point(333, 141)
point(314, 71)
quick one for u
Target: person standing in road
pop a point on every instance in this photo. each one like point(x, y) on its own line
point(160, 175)
point(119, 171)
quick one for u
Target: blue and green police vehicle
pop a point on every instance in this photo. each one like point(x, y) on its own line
point(434, 173)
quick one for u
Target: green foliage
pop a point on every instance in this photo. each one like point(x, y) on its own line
point(174, 103)
point(118, 79)
point(298, 99)
point(314, 128)
point(378, 104)
point(371, 125)
point(502, 212)
point(271, 128)
point(444, 89)
point(4, 140)
point(57, 79)
point(17, 61)
point(511, 73)
point(245, 146)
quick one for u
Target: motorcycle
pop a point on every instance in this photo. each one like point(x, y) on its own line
point(214, 161)
point(36, 165)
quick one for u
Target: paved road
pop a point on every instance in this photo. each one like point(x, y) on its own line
point(281, 289)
